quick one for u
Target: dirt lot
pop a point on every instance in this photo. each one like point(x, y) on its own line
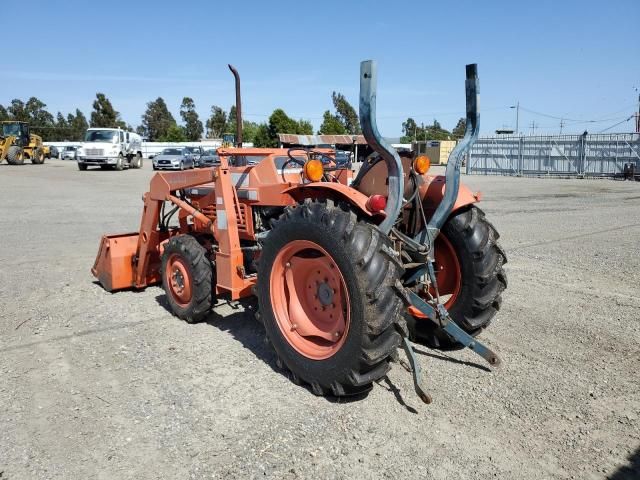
point(99, 385)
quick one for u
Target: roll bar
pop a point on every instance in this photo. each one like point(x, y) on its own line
point(452, 175)
point(368, 88)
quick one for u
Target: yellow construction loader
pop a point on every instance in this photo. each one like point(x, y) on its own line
point(17, 143)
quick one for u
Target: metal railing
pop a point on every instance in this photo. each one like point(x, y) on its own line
point(587, 155)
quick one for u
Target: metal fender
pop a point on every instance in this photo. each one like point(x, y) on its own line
point(432, 192)
point(332, 190)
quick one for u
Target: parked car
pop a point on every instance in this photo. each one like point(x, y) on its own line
point(69, 153)
point(173, 158)
point(208, 158)
point(54, 152)
point(196, 152)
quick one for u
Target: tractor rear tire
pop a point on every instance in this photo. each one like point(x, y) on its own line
point(357, 270)
point(188, 278)
point(37, 156)
point(483, 279)
point(15, 155)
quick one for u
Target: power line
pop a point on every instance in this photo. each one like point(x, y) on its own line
point(567, 120)
point(616, 124)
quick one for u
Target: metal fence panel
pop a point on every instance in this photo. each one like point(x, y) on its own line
point(594, 155)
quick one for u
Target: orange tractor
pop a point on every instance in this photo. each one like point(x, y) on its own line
point(346, 269)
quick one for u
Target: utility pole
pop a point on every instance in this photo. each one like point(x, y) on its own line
point(638, 115)
point(533, 127)
point(517, 107)
point(561, 125)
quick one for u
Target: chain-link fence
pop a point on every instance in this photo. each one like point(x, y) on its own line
point(587, 155)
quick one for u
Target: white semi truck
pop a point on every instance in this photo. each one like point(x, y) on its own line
point(110, 148)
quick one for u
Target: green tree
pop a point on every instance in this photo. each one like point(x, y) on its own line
point(140, 130)
point(346, 113)
point(104, 115)
point(62, 130)
point(304, 127)
point(17, 111)
point(261, 138)
point(249, 131)
point(41, 121)
point(410, 130)
point(192, 124)
point(331, 125)
point(77, 125)
point(280, 122)
point(217, 122)
point(157, 120)
point(230, 127)
point(175, 133)
point(413, 132)
point(458, 131)
point(436, 132)
point(4, 115)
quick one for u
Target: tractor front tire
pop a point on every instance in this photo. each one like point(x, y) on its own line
point(188, 278)
point(15, 155)
point(327, 299)
point(37, 156)
point(482, 278)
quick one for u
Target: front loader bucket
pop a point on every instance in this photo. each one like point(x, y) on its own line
point(114, 267)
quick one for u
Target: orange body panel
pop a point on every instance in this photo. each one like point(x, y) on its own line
point(331, 190)
point(432, 192)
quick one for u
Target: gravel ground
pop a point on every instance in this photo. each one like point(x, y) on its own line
point(99, 385)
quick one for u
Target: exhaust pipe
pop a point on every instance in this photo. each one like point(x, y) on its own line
point(238, 106)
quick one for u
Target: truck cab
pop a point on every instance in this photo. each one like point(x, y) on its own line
point(110, 148)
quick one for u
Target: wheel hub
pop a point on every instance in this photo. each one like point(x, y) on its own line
point(178, 280)
point(325, 294)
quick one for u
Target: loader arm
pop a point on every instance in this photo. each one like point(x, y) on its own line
point(133, 260)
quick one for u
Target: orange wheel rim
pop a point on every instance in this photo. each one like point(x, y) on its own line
point(310, 299)
point(448, 274)
point(178, 279)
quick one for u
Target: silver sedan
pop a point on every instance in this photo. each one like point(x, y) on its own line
point(173, 158)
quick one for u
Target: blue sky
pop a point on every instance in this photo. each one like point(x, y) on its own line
point(572, 59)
